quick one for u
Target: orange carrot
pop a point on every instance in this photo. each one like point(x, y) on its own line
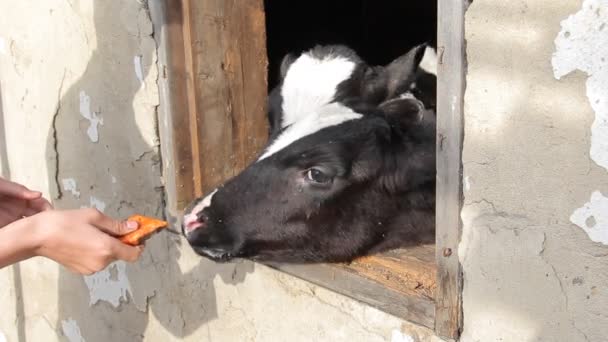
point(147, 227)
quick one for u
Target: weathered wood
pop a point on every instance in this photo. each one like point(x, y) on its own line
point(384, 282)
point(226, 45)
point(173, 112)
point(450, 90)
point(402, 271)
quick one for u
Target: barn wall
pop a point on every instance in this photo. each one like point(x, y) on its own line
point(535, 240)
point(79, 102)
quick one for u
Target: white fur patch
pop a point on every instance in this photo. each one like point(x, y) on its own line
point(429, 61)
point(311, 83)
point(191, 216)
point(327, 116)
point(308, 90)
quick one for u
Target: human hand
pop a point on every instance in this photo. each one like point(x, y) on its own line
point(17, 201)
point(83, 240)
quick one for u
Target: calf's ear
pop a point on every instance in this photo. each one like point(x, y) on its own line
point(402, 71)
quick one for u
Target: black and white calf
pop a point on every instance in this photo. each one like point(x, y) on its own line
point(349, 169)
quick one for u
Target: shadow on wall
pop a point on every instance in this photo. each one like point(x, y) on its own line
point(120, 174)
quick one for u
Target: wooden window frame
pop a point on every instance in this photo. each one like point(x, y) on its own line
point(213, 109)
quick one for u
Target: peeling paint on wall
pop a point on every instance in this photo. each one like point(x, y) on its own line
point(69, 184)
point(582, 44)
point(110, 285)
point(398, 336)
point(467, 183)
point(93, 117)
point(139, 70)
point(2, 337)
point(71, 330)
point(95, 202)
point(593, 218)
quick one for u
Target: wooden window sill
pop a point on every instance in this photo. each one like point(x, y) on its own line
point(401, 282)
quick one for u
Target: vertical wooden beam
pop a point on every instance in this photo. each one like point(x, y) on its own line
point(173, 117)
point(450, 89)
point(212, 118)
point(226, 48)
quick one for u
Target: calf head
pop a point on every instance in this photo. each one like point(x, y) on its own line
point(349, 168)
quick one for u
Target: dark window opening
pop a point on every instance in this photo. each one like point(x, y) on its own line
point(379, 31)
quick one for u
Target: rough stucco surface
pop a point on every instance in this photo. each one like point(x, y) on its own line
point(531, 152)
point(79, 96)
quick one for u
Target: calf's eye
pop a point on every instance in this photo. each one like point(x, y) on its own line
point(317, 176)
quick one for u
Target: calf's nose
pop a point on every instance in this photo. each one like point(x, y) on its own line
point(194, 221)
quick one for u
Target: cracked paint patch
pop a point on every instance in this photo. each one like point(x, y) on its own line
point(582, 44)
point(69, 184)
point(139, 70)
point(398, 336)
point(93, 117)
point(110, 285)
point(593, 218)
point(95, 202)
point(71, 330)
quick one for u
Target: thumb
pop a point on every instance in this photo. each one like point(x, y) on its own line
point(16, 190)
point(111, 226)
point(125, 252)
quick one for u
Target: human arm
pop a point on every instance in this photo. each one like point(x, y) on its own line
point(82, 240)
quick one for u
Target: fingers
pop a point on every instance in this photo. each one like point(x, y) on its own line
point(125, 252)
point(40, 204)
point(110, 225)
point(16, 190)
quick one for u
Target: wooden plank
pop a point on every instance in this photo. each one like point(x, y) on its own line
point(402, 271)
point(400, 282)
point(227, 44)
point(212, 118)
point(173, 112)
point(417, 309)
point(450, 90)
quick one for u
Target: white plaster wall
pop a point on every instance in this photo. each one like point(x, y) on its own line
point(79, 97)
point(533, 246)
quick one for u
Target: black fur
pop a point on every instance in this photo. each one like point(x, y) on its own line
point(382, 167)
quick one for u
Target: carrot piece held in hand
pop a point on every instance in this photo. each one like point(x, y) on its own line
point(147, 227)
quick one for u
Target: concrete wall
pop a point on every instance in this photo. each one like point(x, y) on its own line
point(79, 99)
point(534, 244)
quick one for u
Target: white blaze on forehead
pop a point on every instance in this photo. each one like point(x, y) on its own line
point(330, 115)
point(311, 83)
point(191, 216)
point(308, 91)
